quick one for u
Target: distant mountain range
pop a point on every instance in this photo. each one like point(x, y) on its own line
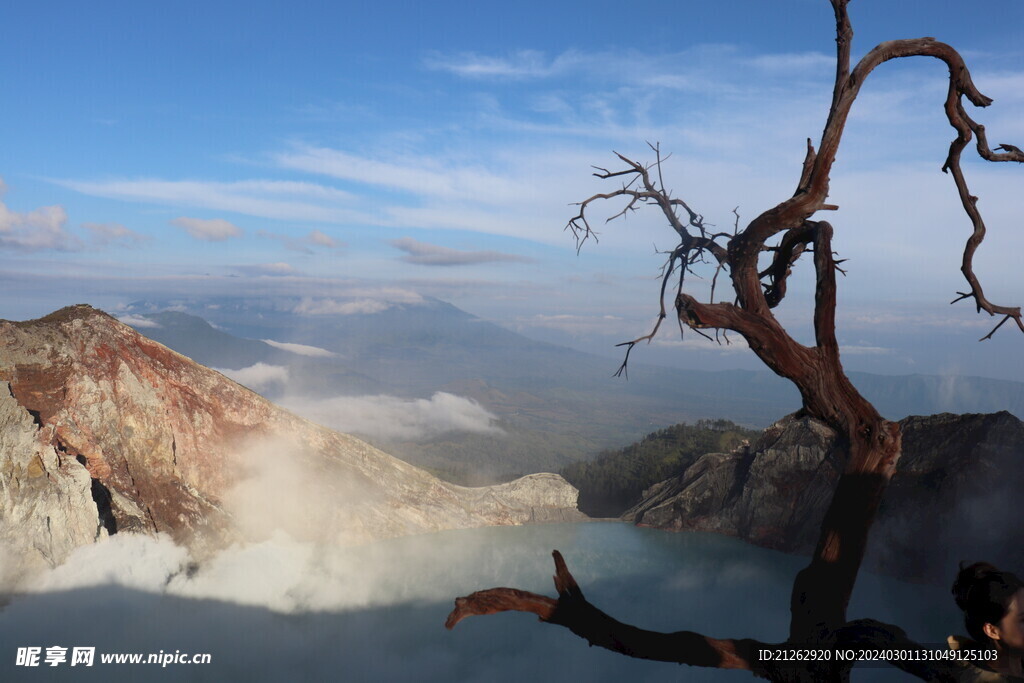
point(552, 404)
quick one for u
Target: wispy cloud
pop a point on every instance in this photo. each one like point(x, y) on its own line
point(258, 377)
point(208, 230)
point(686, 69)
point(287, 200)
point(904, 319)
point(440, 193)
point(104, 234)
point(321, 239)
point(42, 228)
point(393, 418)
point(523, 64)
point(425, 175)
point(425, 254)
point(578, 324)
point(304, 244)
point(865, 350)
point(1007, 86)
point(358, 300)
point(188, 189)
point(717, 68)
point(795, 63)
point(336, 307)
point(301, 349)
point(138, 321)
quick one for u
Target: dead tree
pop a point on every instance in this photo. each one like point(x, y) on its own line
point(867, 443)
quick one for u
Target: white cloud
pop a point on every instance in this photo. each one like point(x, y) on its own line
point(910, 319)
point(795, 63)
point(208, 230)
point(516, 221)
point(287, 200)
point(1005, 86)
point(424, 254)
point(300, 349)
point(42, 228)
point(315, 238)
point(113, 233)
point(258, 377)
point(138, 321)
point(420, 175)
point(192, 190)
point(865, 350)
point(336, 307)
point(396, 295)
point(451, 194)
point(321, 239)
point(358, 300)
point(393, 418)
point(519, 65)
point(581, 324)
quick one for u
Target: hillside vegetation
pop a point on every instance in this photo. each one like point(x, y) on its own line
point(613, 481)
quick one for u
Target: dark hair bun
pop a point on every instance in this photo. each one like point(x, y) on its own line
point(969, 577)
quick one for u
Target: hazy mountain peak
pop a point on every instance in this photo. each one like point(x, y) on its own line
point(66, 314)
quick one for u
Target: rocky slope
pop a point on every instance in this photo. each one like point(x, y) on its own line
point(955, 495)
point(104, 431)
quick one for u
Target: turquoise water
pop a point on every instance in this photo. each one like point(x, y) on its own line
point(379, 616)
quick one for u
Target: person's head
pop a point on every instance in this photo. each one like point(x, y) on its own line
point(993, 605)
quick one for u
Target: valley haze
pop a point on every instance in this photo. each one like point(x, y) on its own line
point(477, 403)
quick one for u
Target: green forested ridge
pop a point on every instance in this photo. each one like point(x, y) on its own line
point(613, 481)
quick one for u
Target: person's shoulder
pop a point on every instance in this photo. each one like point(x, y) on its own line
point(962, 643)
point(986, 674)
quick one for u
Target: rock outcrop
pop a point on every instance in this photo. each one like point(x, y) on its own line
point(954, 495)
point(45, 508)
point(104, 431)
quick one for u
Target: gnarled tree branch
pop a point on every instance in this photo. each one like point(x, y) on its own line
point(867, 445)
point(572, 611)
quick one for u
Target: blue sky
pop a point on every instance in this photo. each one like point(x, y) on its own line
point(389, 150)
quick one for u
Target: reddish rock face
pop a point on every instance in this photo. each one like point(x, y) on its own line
point(168, 444)
point(154, 430)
